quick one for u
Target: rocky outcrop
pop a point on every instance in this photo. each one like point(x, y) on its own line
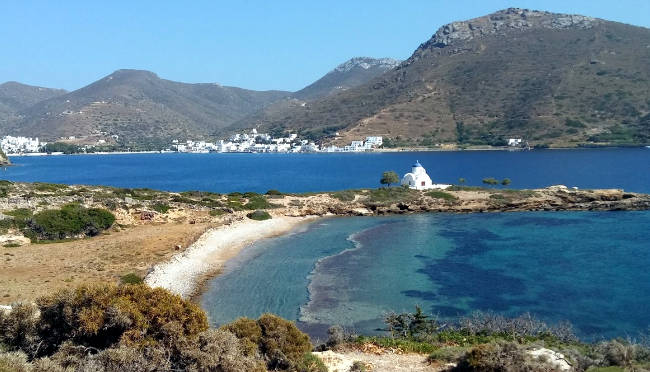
point(4, 160)
point(366, 63)
point(477, 201)
point(505, 21)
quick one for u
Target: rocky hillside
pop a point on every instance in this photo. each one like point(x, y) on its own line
point(136, 104)
point(15, 97)
point(350, 74)
point(549, 78)
point(140, 107)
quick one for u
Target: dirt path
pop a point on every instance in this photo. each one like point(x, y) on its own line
point(384, 362)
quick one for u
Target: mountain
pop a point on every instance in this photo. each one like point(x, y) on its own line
point(138, 105)
point(350, 74)
point(15, 97)
point(549, 78)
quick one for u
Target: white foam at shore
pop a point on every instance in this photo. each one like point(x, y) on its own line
point(183, 273)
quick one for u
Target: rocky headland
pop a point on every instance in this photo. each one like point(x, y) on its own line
point(158, 236)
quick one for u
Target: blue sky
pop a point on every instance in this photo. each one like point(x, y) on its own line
point(251, 44)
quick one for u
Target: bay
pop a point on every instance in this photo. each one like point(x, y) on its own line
point(627, 168)
point(588, 268)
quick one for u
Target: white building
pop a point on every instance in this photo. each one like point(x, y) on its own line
point(17, 145)
point(374, 141)
point(514, 142)
point(418, 179)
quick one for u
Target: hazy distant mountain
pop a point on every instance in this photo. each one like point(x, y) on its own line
point(349, 74)
point(556, 78)
point(15, 97)
point(136, 105)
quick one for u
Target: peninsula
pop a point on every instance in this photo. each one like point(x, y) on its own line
point(159, 235)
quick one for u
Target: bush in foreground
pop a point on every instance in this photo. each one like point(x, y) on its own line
point(501, 357)
point(136, 328)
point(280, 342)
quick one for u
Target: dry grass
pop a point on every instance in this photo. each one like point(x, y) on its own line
point(37, 269)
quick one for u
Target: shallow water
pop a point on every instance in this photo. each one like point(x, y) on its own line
point(627, 168)
point(586, 267)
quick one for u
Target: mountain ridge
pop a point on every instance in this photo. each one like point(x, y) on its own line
point(548, 77)
point(139, 105)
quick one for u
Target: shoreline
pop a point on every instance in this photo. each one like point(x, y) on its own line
point(186, 273)
point(380, 150)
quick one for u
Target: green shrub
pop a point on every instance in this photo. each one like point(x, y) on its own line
point(49, 187)
point(279, 341)
point(183, 199)
point(441, 195)
point(258, 202)
point(447, 354)
point(18, 328)
point(161, 207)
point(106, 315)
point(5, 187)
point(219, 350)
point(358, 366)
point(259, 215)
point(69, 221)
point(274, 192)
point(490, 181)
point(310, 363)
point(498, 357)
point(131, 278)
point(405, 344)
point(386, 195)
point(20, 213)
point(216, 212)
point(345, 195)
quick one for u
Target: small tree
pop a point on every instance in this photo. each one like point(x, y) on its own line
point(506, 182)
point(461, 180)
point(490, 181)
point(387, 178)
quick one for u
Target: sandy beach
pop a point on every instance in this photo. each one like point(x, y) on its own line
point(185, 272)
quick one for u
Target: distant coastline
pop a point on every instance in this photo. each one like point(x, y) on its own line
point(382, 150)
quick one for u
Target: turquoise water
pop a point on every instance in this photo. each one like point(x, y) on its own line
point(586, 267)
point(627, 168)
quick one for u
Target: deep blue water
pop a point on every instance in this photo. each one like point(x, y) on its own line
point(589, 268)
point(586, 168)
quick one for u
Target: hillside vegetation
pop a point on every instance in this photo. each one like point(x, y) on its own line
point(549, 78)
point(137, 109)
point(15, 97)
point(138, 105)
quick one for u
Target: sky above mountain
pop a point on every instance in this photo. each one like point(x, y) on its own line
point(258, 45)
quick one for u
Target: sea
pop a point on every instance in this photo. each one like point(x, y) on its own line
point(627, 168)
point(589, 268)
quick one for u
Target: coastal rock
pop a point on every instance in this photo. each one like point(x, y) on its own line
point(557, 360)
point(14, 239)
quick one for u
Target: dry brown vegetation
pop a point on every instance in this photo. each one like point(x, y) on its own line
point(136, 328)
